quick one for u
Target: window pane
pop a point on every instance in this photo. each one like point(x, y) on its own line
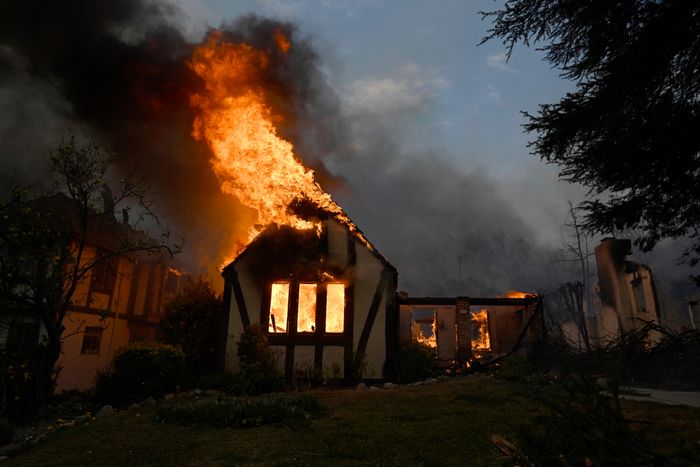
point(279, 299)
point(91, 340)
point(306, 319)
point(335, 307)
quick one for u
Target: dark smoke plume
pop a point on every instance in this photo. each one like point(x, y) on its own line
point(118, 69)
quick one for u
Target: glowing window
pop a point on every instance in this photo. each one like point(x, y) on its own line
point(335, 307)
point(423, 327)
point(480, 330)
point(306, 318)
point(279, 301)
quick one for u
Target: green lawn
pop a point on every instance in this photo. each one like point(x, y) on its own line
point(447, 423)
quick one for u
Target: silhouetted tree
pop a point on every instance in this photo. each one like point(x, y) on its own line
point(630, 129)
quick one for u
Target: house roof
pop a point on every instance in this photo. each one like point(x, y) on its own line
point(349, 226)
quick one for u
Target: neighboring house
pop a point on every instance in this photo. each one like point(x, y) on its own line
point(323, 300)
point(117, 302)
point(628, 295)
point(461, 328)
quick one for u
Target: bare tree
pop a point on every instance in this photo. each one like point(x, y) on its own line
point(44, 242)
point(577, 249)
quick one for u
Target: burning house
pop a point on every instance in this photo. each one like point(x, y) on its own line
point(324, 300)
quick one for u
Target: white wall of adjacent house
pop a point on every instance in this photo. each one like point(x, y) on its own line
point(80, 361)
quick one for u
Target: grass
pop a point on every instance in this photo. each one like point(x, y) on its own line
point(447, 423)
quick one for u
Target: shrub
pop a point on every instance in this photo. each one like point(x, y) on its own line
point(417, 361)
point(140, 371)
point(18, 385)
point(240, 412)
point(259, 373)
point(514, 368)
point(192, 321)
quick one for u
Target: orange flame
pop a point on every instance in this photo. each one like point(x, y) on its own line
point(253, 163)
point(518, 294)
point(480, 330)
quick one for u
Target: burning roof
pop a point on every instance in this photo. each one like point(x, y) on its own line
point(251, 160)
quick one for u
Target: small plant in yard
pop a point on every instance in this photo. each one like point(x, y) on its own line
point(417, 361)
point(514, 368)
point(240, 412)
point(259, 373)
point(140, 371)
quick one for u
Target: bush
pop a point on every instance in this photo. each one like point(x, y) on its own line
point(140, 371)
point(18, 386)
point(240, 412)
point(417, 361)
point(192, 321)
point(259, 373)
point(514, 368)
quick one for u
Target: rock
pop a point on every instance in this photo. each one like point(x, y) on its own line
point(374, 388)
point(147, 402)
point(11, 449)
point(389, 385)
point(197, 392)
point(133, 408)
point(361, 386)
point(80, 419)
point(105, 411)
point(169, 397)
point(213, 392)
point(431, 381)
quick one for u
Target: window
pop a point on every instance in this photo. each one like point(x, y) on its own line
point(335, 307)
point(480, 330)
point(306, 307)
point(279, 302)
point(92, 337)
point(306, 318)
point(104, 274)
point(423, 327)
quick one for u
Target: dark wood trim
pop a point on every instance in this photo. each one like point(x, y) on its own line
point(348, 333)
point(223, 338)
point(147, 298)
point(390, 369)
point(382, 285)
point(134, 289)
point(478, 301)
point(352, 253)
point(336, 340)
point(232, 280)
point(265, 306)
point(321, 303)
point(292, 310)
